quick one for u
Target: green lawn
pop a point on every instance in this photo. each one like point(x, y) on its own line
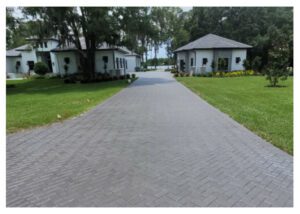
point(264, 110)
point(38, 102)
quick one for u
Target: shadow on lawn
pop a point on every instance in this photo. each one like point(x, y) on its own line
point(50, 87)
point(277, 86)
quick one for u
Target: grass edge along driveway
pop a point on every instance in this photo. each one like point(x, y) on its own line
point(264, 110)
point(38, 102)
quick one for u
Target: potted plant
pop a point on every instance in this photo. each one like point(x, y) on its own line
point(18, 64)
point(66, 68)
point(105, 60)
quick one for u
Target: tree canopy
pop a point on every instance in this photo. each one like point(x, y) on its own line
point(144, 28)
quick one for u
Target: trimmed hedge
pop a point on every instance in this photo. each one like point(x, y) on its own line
point(219, 74)
point(40, 68)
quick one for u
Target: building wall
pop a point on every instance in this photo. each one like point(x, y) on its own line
point(242, 53)
point(132, 63)
point(223, 54)
point(27, 56)
point(54, 62)
point(211, 55)
point(73, 64)
point(11, 64)
point(191, 55)
point(51, 44)
point(200, 55)
point(181, 56)
point(138, 61)
point(100, 63)
point(120, 55)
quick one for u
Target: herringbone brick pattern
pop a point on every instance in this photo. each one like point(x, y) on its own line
point(153, 144)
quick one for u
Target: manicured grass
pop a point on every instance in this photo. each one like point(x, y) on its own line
point(38, 102)
point(264, 110)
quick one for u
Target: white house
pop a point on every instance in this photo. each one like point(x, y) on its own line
point(199, 56)
point(20, 60)
point(108, 58)
point(133, 61)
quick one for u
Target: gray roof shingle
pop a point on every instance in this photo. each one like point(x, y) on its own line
point(16, 51)
point(13, 53)
point(211, 41)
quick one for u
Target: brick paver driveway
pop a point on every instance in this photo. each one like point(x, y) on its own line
point(153, 144)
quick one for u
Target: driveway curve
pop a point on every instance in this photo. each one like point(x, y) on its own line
point(153, 144)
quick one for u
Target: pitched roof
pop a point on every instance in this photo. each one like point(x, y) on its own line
point(16, 51)
point(13, 53)
point(103, 46)
point(131, 53)
point(26, 47)
point(212, 41)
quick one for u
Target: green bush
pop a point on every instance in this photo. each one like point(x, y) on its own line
point(172, 70)
point(37, 77)
point(246, 64)
point(132, 76)
point(40, 68)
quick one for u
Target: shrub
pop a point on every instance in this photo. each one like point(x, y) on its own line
point(40, 68)
point(213, 65)
point(247, 64)
point(209, 74)
point(176, 75)
point(37, 77)
point(172, 70)
point(127, 76)
point(232, 73)
point(133, 76)
point(10, 86)
point(278, 58)
point(257, 64)
point(69, 80)
point(52, 76)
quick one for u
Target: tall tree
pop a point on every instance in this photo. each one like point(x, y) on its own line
point(69, 24)
point(250, 25)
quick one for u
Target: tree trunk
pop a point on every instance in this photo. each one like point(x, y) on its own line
point(89, 68)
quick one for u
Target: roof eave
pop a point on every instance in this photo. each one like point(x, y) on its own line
point(192, 49)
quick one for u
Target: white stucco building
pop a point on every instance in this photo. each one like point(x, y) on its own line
point(20, 60)
point(133, 61)
point(108, 58)
point(199, 55)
